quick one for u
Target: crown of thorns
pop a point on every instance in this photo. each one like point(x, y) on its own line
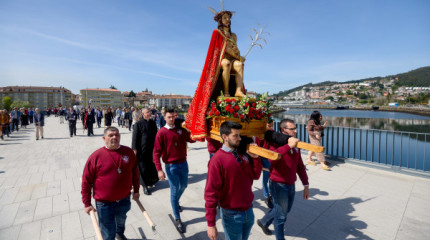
point(219, 14)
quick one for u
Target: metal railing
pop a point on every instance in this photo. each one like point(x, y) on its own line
point(391, 148)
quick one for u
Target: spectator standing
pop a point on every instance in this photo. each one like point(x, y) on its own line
point(24, 118)
point(108, 117)
point(118, 116)
point(144, 132)
point(89, 121)
point(135, 114)
point(39, 123)
point(109, 175)
point(129, 118)
point(72, 117)
point(99, 114)
point(15, 116)
point(30, 115)
point(171, 146)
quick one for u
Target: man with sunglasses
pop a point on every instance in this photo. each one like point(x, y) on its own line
point(282, 178)
point(229, 185)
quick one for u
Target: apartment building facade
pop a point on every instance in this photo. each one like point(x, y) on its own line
point(39, 97)
point(101, 97)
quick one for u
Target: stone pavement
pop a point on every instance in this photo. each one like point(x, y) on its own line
point(40, 196)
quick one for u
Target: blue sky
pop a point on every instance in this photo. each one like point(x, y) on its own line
point(161, 45)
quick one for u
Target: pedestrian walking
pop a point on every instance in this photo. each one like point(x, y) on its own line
point(144, 132)
point(282, 180)
point(171, 146)
point(229, 185)
point(316, 132)
point(110, 174)
point(39, 123)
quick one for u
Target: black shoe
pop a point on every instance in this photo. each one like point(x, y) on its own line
point(42, 137)
point(120, 237)
point(146, 191)
point(179, 226)
point(264, 228)
point(269, 202)
point(180, 208)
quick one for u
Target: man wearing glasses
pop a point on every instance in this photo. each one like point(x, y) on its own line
point(229, 185)
point(282, 178)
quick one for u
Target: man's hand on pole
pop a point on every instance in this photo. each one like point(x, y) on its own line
point(89, 209)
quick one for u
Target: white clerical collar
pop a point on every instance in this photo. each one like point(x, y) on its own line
point(169, 127)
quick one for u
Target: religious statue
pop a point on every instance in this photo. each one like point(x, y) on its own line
point(232, 62)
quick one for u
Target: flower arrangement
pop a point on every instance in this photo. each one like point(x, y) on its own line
point(244, 108)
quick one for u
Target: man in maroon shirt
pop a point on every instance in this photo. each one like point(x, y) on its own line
point(171, 145)
point(282, 178)
point(111, 172)
point(229, 185)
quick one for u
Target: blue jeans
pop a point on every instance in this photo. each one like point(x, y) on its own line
point(266, 164)
point(237, 224)
point(211, 155)
point(283, 198)
point(112, 217)
point(177, 174)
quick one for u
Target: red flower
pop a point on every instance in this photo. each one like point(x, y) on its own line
point(236, 108)
point(236, 115)
point(269, 114)
point(227, 108)
point(258, 117)
point(231, 110)
point(217, 113)
point(242, 116)
point(213, 104)
point(228, 100)
point(246, 105)
point(262, 114)
point(233, 100)
point(253, 104)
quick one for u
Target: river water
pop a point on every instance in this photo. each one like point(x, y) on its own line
point(390, 121)
point(388, 138)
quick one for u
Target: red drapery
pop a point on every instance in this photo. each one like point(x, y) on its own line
point(195, 120)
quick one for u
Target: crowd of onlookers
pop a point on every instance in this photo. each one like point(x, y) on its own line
point(124, 117)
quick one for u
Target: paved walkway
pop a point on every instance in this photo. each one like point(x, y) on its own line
point(40, 196)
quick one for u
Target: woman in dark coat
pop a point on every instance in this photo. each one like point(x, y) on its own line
point(108, 117)
point(144, 132)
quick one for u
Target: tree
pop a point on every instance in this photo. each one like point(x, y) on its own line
point(329, 98)
point(20, 104)
point(7, 102)
point(132, 94)
point(112, 87)
point(348, 92)
point(362, 96)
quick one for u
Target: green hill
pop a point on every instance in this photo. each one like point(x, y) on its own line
point(416, 78)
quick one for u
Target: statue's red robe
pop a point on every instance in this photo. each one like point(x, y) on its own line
point(195, 121)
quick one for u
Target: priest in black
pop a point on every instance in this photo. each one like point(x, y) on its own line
point(144, 132)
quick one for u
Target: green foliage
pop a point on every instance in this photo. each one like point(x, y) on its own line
point(416, 78)
point(363, 96)
point(348, 92)
point(329, 98)
point(362, 101)
point(20, 104)
point(7, 102)
point(112, 87)
point(132, 94)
